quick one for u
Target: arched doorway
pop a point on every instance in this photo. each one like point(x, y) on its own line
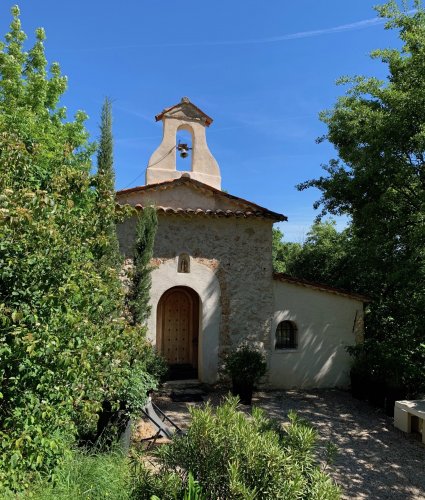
point(177, 331)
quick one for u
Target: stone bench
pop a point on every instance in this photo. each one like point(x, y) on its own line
point(403, 413)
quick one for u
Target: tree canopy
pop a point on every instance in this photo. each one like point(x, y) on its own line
point(378, 179)
point(324, 255)
point(283, 253)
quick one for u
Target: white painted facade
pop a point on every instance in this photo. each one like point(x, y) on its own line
point(326, 324)
point(228, 242)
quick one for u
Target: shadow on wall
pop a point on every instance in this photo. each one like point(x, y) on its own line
point(320, 359)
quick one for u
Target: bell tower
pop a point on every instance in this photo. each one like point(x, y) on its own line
point(162, 163)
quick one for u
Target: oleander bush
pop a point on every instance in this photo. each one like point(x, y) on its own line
point(147, 485)
point(235, 456)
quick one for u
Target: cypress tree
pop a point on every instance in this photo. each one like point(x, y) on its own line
point(108, 247)
point(147, 223)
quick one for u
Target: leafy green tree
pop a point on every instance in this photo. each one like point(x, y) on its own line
point(324, 256)
point(64, 345)
point(283, 252)
point(147, 223)
point(378, 130)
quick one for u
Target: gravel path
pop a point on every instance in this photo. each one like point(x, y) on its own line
point(374, 461)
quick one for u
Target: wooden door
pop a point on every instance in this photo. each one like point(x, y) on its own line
point(177, 326)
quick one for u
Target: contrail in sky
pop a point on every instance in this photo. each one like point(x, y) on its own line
point(366, 23)
point(358, 25)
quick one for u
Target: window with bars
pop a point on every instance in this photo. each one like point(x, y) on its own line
point(286, 335)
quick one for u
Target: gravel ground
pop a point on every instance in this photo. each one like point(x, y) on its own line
point(374, 460)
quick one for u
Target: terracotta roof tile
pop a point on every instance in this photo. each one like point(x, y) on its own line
point(184, 101)
point(209, 212)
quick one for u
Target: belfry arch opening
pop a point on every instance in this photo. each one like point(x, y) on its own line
point(184, 136)
point(177, 332)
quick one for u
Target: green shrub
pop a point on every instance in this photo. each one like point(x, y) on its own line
point(245, 363)
point(155, 364)
point(166, 486)
point(233, 456)
point(193, 490)
point(146, 484)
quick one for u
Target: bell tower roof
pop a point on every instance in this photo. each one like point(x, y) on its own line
point(185, 110)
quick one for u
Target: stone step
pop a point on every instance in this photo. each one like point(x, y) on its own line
point(172, 385)
point(184, 390)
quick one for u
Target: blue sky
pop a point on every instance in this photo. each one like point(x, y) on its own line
point(262, 70)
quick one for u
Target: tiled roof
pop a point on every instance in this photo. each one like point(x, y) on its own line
point(319, 286)
point(185, 101)
point(246, 208)
point(215, 213)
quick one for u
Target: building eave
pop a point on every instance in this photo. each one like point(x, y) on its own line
point(286, 278)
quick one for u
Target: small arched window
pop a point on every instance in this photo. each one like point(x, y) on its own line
point(286, 335)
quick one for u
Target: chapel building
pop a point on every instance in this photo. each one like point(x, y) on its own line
point(213, 284)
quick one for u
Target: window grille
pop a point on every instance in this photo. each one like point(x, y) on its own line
point(286, 335)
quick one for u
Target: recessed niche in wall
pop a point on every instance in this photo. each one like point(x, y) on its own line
point(183, 265)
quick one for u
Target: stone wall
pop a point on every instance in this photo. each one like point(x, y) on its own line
point(238, 251)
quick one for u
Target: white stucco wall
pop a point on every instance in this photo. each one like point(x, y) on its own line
point(326, 325)
point(204, 282)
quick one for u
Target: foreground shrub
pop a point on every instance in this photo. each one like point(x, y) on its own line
point(233, 456)
point(165, 486)
point(147, 485)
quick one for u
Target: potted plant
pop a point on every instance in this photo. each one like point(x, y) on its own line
point(245, 365)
